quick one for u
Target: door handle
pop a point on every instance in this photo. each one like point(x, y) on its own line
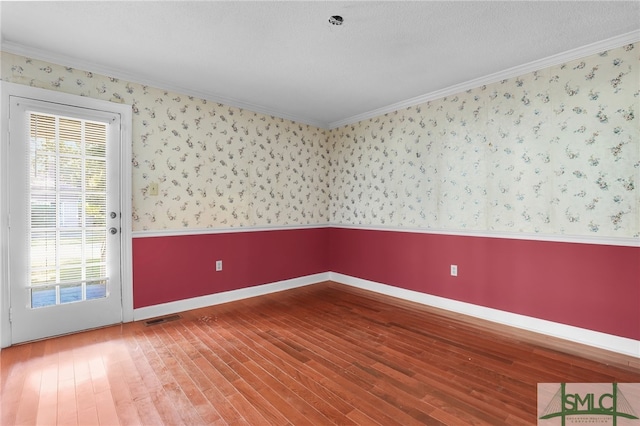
point(113, 231)
point(113, 215)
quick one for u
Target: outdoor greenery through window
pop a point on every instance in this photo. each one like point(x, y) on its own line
point(68, 194)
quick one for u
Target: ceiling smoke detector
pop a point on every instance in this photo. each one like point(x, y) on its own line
point(336, 20)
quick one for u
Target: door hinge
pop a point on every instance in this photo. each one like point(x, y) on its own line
point(10, 314)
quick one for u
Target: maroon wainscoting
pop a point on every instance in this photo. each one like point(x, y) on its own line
point(166, 269)
point(596, 287)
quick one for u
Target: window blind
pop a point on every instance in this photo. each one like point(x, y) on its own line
point(68, 194)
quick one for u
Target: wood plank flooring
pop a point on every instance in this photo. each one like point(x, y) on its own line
point(317, 355)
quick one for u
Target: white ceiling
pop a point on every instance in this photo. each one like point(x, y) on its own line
point(286, 59)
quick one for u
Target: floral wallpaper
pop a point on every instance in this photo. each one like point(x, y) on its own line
point(555, 151)
point(215, 166)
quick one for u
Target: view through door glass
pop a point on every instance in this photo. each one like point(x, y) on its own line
point(68, 206)
point(65, 219)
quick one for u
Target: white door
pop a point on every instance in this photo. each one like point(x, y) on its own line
point(64, 219)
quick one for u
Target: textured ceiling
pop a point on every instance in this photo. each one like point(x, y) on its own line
point(286, 59)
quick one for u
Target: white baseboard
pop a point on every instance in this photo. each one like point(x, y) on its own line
point(224, 297)
point(597, 339)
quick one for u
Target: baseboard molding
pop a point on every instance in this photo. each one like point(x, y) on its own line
point(225, 297)
point(583, 336)
point(621, 345)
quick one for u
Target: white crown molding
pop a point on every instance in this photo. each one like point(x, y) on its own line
point(550, 61)
point(583, 336)
point(212, 231)
point(519, 70)
point(576, 239)
point(226, 296)
point(83, 65)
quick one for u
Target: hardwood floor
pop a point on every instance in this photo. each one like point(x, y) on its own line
point(323, 354)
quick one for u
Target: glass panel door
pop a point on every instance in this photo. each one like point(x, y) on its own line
point(65, 215)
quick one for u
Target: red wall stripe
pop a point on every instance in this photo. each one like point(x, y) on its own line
point(596, 287)
point(166, 269)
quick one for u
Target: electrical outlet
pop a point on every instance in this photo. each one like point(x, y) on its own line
point(218, 265)
point(454, 270)
point(153, 188)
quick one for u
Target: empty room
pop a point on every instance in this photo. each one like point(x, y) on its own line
point(316, 213)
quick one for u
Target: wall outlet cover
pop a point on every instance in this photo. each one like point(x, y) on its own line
point(153, 188)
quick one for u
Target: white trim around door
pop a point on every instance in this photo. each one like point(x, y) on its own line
point(8, 90)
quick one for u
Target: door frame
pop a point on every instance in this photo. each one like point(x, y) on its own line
point(11, 89)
